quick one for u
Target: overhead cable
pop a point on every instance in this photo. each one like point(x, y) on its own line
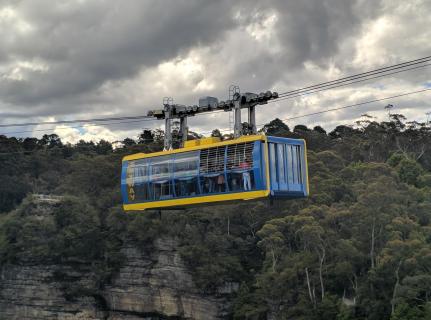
point(355, 105)
point(359, 76)
point(74, 121)
point(305, 93)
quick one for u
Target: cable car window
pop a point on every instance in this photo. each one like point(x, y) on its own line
point(239, 167)
point(295, 164)
point(212, 170)
point(186, 174)
point(141, 180)
point(130, 174)
point(299, 161)
point(237, 153)
point(186, 164)
point(290, 175)
point(160, 178)
point(272, 166)
point(280, 161)
point(130, 181)
point(160, 168)
point(212, 160)
point(140, 172)
point(137, 181)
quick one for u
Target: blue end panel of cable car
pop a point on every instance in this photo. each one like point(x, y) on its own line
point(287, 171)
point(124, 182)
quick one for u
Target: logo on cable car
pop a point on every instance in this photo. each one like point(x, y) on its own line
point(131, 194)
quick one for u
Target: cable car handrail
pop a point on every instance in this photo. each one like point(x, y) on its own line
point(241, 170)
point(160, 181)
point(212, 175)
point(187, 178)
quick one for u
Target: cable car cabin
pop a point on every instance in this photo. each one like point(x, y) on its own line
point(209, 171)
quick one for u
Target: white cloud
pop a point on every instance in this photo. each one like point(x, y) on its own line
point(12, 21)
point(263, 29)
point(87, 133)
point(20, 70)
point(369, 49)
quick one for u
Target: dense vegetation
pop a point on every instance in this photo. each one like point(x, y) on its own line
point(358, 248)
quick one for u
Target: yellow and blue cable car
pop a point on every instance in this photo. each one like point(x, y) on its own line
point(212, 171)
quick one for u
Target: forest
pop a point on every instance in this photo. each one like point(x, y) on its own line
point(359, 247)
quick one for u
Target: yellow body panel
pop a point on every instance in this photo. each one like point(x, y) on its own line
point(193, 148)
point(197, 200)
point(201, 142)
point(210, 140)
point(191, 143)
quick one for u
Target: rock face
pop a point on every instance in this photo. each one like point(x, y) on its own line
point(156, 286)
point(31, 292)
point(161, 285)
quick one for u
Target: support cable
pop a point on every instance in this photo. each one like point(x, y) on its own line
point(359, 76)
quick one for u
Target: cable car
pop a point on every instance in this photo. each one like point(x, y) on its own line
point(209, 171)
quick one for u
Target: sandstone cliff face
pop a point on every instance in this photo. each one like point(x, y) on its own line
point(161, 285)
point(156, 286)
point(31, 292)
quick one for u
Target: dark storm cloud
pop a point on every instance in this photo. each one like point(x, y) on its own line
point(314, 30)
point(86, 44)
point(306, 31)
point(311, 30)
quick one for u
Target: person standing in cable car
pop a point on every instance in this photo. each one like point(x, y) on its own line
point(220, 183)
point(245, 167)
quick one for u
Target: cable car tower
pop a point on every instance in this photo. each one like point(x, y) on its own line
point(201, 172)
point(235, 104)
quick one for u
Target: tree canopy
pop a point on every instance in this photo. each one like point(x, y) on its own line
point(358, 248)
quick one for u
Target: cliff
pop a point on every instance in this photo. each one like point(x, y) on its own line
point(147, 286)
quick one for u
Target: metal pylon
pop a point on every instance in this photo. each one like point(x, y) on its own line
point(167, 104)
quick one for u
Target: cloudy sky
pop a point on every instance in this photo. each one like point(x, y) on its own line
point(80, 59)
